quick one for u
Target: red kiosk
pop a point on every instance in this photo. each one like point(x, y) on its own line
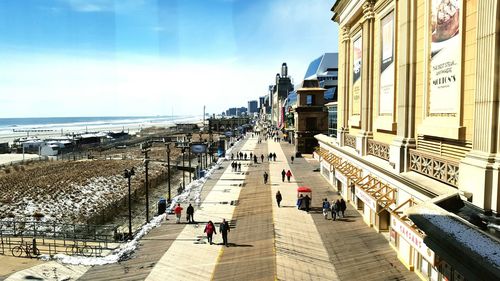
point(303, 190)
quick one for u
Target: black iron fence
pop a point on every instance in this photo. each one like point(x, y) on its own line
point(32, 238)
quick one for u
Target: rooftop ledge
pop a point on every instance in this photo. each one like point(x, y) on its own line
point(474, 253)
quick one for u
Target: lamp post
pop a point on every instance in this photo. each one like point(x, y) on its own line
point(128, 175)
point(145, 149)
point(183, 169)
point(168, 170)
point(189, 156)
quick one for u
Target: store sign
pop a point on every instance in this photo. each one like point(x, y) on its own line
point(367, 199)
point(415, 240)
point(341, 177)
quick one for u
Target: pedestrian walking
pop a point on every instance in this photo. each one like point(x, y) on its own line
point(288, 175)
point(239, 167)
point(265, 177)
point(299, 201)
point(326, 208)
point(270, 157)
point(335, 209)
point(232, 156)
point(262, 158)
point(343, 207)
point(307, 202)
point(210, 230)
point(292, 158)
point(251, 155)
point(255, 159)
point(224, 229)
point(178, 211)
point(245, 156)
point(190, 213)
point(241, 155)
point(283, 174)
point(274, 156)
point(278, 198)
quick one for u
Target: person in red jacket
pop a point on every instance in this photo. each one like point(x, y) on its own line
point(288, 175)
point(177, 211)
point(210, 230)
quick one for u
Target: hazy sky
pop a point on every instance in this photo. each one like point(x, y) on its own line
point(141, 57)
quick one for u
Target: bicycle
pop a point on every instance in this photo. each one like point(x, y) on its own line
point(28, 249)
point(76, 249)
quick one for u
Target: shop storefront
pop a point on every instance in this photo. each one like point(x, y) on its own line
point(374, 199)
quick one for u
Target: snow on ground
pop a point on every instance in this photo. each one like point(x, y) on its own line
point(7, 158)
point(192, 193)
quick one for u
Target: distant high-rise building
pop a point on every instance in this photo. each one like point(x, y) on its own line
point(252, 106)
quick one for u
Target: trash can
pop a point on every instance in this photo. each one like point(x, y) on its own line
point(162, 206)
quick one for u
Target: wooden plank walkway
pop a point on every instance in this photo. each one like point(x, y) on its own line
point(251, 252)
point(357, 251)
point(151, 248)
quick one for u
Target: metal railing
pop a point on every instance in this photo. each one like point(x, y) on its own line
point(350, 141)
point(54, 238)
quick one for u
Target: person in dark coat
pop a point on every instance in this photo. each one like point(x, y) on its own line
point(262, 158)
point(307, 202)
point(239, 167)
point(274, 156)
point(343, 207)
point(190, 213)
point(283, 174)
point(299, 201)
point(278, 198)
point(210, 230)
point(255, 159)
point(265, 177)
point(224, 229)
point(292, 158)
point(335, 209)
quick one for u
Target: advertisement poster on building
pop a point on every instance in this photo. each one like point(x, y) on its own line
point(386, 104)
point(445, 56)
point(357, 47)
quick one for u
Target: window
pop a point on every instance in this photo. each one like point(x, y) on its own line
point(332, 121)
point(309, 100)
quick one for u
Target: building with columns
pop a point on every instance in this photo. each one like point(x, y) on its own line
point(418, 144)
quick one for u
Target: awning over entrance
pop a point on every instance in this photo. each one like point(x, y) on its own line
point(350, 171)
point(329, 157)
point(382, 193)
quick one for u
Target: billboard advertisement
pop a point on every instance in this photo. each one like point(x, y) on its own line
point(386, 103)
point(197, 148)
point(445, 57)
point(357, 51)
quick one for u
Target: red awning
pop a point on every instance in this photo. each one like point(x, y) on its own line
point(303, 189)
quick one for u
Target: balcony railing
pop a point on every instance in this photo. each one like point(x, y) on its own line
point(378, 149)
point(350, 141)
point(442, 169)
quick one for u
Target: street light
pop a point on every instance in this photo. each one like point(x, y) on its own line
point(168, 170)
point(189, 155)
point(128, 175)
point(145, 149)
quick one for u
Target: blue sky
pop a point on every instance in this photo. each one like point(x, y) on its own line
point(140, 57)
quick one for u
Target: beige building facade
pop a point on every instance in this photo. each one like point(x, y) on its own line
point(418, 126)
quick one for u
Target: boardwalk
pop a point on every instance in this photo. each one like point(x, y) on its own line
point(266, 242)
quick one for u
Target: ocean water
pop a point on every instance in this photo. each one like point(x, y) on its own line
point(9, 126)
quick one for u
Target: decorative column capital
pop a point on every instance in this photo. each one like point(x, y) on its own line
point(368, 12)
point(345, 33)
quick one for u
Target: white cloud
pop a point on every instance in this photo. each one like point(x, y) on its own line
point(76, 86)
point(93, 6)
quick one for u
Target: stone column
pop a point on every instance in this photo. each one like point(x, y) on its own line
point(480, 169)
point(344, 90)
point(366, 79)
point(406, 67)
